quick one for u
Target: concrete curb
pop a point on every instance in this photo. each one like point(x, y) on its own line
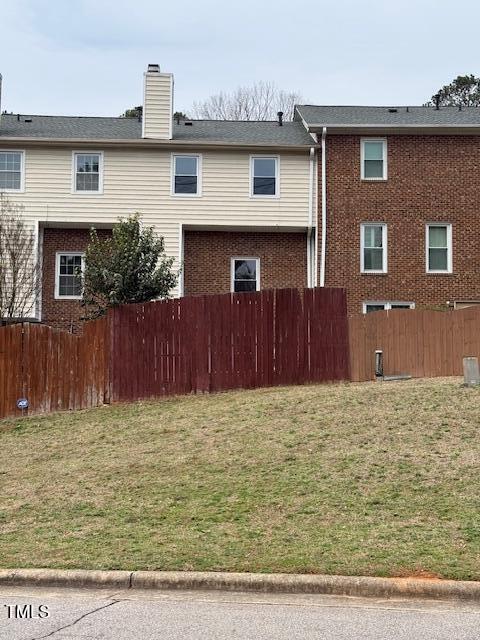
point(253, 582)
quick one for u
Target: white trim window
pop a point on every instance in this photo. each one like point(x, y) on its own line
point(69, 266)
point(186, 175)
point(245, 274)
point(373, 158)
point(88, 172)
point(12, 169)
point(373, 247)
point(264, 172)
point(369, 307)
point(439, 247)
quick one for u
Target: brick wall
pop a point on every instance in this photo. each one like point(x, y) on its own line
point(430, 179)
point(63, 314)
point(207, 254)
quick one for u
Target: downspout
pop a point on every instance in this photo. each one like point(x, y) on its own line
point(310, 279)
point(181, 256)
point(324, 209)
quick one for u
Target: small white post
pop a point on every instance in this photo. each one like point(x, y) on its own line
point(471, 373)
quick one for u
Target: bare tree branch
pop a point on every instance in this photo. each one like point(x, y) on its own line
point(19, 267)
point(261, 101)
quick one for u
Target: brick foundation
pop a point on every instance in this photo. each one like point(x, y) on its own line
point(207, 255)
point(62, 314)
point(430, 179)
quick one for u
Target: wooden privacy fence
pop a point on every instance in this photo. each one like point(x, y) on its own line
point(415, 342)
point(51, 368)
point(228, 341)
point(196, 344)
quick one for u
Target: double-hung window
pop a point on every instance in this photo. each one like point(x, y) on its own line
point(373, 159)
point(373, 248)
point(68, 280)
point(11, 170)
point(186, 175)
point(245, 274)
point(439, 248)
point(88, 172)
point(264, 177)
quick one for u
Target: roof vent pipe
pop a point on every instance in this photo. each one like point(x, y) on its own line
point(437, 101)
point(280, 118)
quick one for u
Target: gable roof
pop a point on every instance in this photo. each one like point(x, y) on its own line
point(200, 131)
point(357, 117)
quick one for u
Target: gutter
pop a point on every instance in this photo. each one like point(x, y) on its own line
point(324, 210)
point(148, 142)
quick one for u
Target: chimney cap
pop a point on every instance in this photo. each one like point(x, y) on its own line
point(153, 68)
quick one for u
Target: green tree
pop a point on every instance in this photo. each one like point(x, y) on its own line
point(134, 112)
point(130, 266)
point(463, 91)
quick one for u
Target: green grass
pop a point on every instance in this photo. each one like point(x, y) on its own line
point(372, 479)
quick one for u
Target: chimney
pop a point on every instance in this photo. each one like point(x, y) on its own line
point(280, 118)
point(157, 104)
point(0, 98)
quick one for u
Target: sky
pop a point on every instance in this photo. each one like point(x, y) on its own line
point(87, 57)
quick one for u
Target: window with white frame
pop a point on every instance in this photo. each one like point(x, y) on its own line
point(264, 177)
point(186, 171)
point(11, 170)
point(373, 159)
point(369, 307)
point(88, 172)
point(373, 248)
point(439, 248)
point(245, 274)
point(69, 269)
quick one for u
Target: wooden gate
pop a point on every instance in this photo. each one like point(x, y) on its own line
point(51, 368)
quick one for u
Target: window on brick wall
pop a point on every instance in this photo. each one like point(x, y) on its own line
point(11, 170)
point(186, 175)
point(68, 275)
point(373, 158)
point(88, 172)
point(264, 177)
point(245, 274)
point(373, 247)
point(369, 307)
point(439, 248)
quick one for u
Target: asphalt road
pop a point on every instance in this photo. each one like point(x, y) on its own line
point(103, 615)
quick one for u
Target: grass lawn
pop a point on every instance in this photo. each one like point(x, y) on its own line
point(372, 479)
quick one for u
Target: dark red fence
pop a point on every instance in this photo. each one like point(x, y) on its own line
point(218, 342)
point(196, 344)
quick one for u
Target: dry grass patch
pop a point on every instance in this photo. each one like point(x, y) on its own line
point(354, 479)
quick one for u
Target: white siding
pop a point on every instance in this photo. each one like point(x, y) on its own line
point(157, 107)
